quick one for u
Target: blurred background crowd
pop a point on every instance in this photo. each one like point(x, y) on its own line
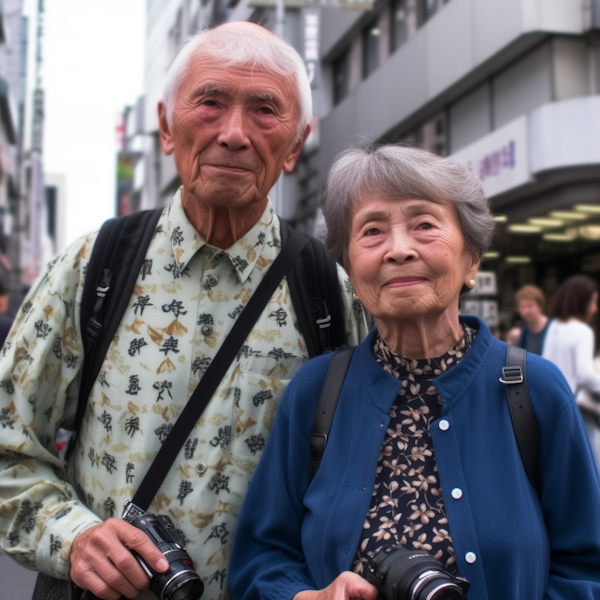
point(511, 88)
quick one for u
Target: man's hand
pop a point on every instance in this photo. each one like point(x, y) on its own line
point(345, 586)
point(102, 563)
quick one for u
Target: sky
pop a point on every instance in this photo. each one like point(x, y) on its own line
point(93, 53)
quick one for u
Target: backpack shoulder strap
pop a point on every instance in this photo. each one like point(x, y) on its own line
point(328, 401)
point(514, 377)
point(316, 296)
point(116, 261)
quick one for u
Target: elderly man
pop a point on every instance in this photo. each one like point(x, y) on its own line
point(235, 114)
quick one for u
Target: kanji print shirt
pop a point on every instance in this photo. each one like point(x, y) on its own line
point(407, 506)
point(187, 297)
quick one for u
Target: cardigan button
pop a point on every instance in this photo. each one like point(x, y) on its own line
point(206, 329)
point(444, 425)
point(470, 557)
point(201, 468)
point(457, 493)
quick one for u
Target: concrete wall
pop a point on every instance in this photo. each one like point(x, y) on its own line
point(461, 47)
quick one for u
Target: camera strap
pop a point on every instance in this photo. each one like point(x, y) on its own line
point(216, 371)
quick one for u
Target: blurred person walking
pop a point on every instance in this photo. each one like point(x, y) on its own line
point(569, 344)
point(530, 305)
point(6, 321)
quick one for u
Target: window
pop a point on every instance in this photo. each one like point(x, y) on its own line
point(341, 77)
point(371, 37)
point(403, 22)
point(432, 135)
point(428, 8)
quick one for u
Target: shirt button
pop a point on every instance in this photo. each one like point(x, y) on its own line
point(444, 425)
point(212, 280)
point(206, 330)
point(470, 557)
point(201, 468)
point(457, 493)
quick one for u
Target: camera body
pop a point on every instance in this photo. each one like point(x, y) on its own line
point(403, 574)
point(180, 582)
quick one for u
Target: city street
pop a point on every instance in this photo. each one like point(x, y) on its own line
point(17, 581)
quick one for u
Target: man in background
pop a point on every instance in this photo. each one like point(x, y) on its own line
point(530, 305)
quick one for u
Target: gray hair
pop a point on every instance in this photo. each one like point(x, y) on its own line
point(397, 172)
point(256, 49)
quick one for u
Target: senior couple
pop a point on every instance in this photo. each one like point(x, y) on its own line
point(422, 452)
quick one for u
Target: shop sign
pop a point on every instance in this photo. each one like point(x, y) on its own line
point(312, 24)
point(485, 284)
point(484, 309)
point(501, 159)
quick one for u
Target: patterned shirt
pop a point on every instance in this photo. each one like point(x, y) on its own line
point(186, 300)
point(407, 506)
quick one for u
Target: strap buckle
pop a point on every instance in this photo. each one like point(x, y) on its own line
point(324, 323)
point(93, 330)
point(101, 291)
point(511, 375)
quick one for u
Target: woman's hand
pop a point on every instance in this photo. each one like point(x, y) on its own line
point(345, 586)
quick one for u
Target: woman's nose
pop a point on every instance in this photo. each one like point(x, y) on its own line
point(401, 249)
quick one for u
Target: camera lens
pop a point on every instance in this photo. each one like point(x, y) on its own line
point(403, 574)
point(187, 590)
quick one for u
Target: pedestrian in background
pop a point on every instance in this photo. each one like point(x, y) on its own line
point(530, 305)
point(569, 345)
point(6, 321)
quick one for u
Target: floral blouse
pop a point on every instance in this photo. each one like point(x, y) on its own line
point(407, 506)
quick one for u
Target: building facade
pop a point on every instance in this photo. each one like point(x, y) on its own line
point(508, 87)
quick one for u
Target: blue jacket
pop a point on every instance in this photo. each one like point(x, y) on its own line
point(292, 536)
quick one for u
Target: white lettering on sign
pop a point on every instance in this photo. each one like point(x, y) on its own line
point(501, 159)
point(311, 45)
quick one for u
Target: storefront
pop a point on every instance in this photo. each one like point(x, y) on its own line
point(541, 173)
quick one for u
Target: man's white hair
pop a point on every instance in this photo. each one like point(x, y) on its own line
point(253, 49)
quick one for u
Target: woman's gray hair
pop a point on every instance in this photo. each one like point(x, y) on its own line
point(398, 172)
point(255, 49)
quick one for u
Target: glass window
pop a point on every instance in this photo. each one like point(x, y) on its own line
point(403, 22)
point(431, 135)
point(341, 77)
point(371, 37)
point(428, 8)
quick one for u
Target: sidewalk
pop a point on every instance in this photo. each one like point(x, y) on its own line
point(17, 582)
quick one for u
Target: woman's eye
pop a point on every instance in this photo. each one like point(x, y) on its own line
point(425, 226)
point(372, 231)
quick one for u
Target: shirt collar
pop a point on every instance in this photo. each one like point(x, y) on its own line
point(243, 254)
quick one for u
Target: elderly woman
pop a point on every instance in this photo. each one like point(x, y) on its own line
point(422, 452)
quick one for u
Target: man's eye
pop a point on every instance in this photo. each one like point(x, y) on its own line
point(209, 102)
point(266, 110)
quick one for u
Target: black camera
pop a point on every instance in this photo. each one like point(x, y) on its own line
point(180, 582)
point(402, 574)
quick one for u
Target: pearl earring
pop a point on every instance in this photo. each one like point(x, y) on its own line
point(471, 283)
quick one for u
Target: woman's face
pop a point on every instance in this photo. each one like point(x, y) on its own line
point(407, 258)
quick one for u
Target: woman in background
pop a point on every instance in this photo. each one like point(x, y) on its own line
point(569, 345)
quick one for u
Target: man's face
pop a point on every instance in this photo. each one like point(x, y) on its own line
point(232, 132)
point(529, 310)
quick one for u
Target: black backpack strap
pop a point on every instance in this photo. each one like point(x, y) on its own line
point(116, 261)
point(316, 296)
point(214, 374)
point(514, 377)
point(328, 401)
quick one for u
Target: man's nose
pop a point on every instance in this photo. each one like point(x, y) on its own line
point(401, 248)
point(233, 131)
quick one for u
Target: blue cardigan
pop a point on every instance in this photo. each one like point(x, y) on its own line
point(292, 536)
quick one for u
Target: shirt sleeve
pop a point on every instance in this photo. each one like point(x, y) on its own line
point(40, 367)
point(586, 376)
point(570, 499)
point(358, 320)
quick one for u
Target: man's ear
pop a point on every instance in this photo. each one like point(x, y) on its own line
point(292, 157)
point(166, 141)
